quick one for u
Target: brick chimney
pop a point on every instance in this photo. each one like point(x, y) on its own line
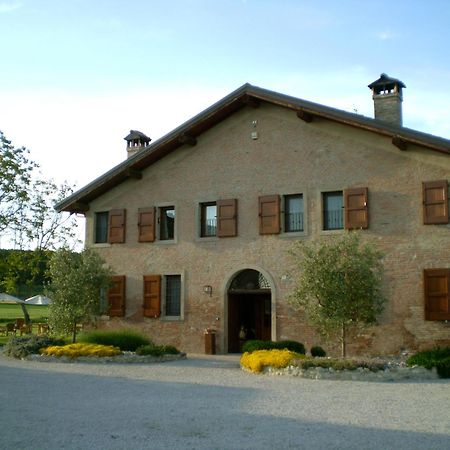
point(136, 141)
point(387, 99)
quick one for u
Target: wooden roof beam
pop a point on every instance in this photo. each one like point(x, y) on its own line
point(187, 139)
point(305, 116)
point(400, 143)
point(79, 207)
point(251, 101)
point(133, 173)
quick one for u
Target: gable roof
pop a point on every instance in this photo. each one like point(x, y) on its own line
point(246, 95)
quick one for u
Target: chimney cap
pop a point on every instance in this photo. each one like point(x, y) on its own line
point(134, 134)
point(385, 82)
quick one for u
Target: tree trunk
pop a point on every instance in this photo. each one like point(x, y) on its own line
point(25, 314)
point(74, 331)
point(343, 341)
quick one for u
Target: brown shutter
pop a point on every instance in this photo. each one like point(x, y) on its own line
point(116, 296)
point(146, 224)
point(437, 294)
point(435, 202)
point(152, 296)
point(356, 208)
point(117, 226)
point(269, 214)
point(227, 218)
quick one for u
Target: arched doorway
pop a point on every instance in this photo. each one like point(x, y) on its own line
point(249, 309)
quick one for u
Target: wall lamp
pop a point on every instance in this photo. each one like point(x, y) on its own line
point(207, 289)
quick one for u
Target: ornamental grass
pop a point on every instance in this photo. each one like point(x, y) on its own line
point(81, 349)
point(257, 360)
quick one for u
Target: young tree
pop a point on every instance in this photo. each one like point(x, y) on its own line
point(78, 281)
point(339, 284)
point(42, 228)
point(15, 180)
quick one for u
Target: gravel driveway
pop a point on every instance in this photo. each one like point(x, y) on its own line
point(209, 403)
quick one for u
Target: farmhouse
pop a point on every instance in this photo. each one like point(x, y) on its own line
point(198, 225)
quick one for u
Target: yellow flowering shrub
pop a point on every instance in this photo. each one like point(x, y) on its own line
point(81, 349)
point(257, 360)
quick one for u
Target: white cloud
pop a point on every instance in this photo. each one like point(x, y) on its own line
point(386, 35)
point(8, 7)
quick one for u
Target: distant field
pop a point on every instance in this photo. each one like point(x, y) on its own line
point(9, 312)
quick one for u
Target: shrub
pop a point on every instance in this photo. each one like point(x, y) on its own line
point(443, 367)
point(257, 360)
point(81, 349)
point(254, 345)
point(428, 358)
point(126, 340)
point(318, 351)
point(157, 350)
point(22, 346)
point(438, 357)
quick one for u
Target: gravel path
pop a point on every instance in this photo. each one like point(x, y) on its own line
point(209, 403)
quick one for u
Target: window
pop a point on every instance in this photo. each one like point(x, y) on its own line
point(166, 223)
point(269, 214)
point(162, 292)
point(435, 202)
point(101, 227)
point(116, 296)
point(333, 204)
point(208, 219)
point(293, 213)
point(437, 294)
point(173, 295)
point(117, 222)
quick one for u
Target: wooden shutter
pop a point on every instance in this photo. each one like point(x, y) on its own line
point(435, 202)
point(437, 294)
point(356, 208)
point(269, 214)
point(117, 219)
point(152, 296)
point(146, 224)
point(227, 218)
point(116, 297)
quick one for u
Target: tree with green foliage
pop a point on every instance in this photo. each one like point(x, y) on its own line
point(15, 179)
point(339, 284)
point(78, 282)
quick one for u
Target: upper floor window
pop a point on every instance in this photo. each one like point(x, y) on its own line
point(333, 216)
point(101, 227)
point(293, 213)
point(166, 223)
point(208, 219)
point(435, 202)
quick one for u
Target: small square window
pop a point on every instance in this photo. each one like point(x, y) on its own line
point(293, 213)
point(101, 227)
point(333, 212)
point(166, 223)
point(208, 219)
point(173, 295)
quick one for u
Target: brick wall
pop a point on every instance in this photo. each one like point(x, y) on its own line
point(289, 156)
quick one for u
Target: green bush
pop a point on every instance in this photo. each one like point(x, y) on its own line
point(157, 350)
point(126, 340)
point(438, 357)
point(428, 358)
point(254, 345)
point(318, 351)
point(443, 367)
point(22, 346)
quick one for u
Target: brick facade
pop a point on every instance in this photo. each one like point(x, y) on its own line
point(289, 156)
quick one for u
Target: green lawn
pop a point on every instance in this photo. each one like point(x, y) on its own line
point(9, 312)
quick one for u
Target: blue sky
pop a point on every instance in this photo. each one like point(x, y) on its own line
point(77, 75)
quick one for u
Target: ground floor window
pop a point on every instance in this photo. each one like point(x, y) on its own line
point(172, 295)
